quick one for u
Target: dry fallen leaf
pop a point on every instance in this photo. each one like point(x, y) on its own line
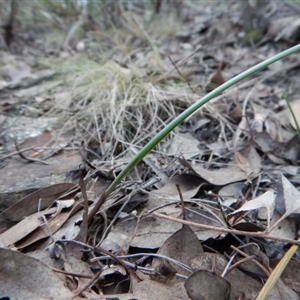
point(217, 79)
point(24, 227)
point(38, 200)
point(287, 201)
point(240, 281)
point(266, 200)
point(248, 160)
point(153, 290)
point(260, 115)
point(189, 185)
point(203, 285)
point(222, 176)
point(54, 223)
point(23, 277)
point(184, 143)
point(182, 246)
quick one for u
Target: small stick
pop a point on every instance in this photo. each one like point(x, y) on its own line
point(169, 57)
point(72, 274)
point(226, 230)
point(82, 236)
point(28, 158)
point(97, 206)
point(254, 260)
point(181, 202)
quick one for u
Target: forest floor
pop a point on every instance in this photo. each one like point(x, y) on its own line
point(209, 212)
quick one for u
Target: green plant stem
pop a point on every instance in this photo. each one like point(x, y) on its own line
point(193, 108)
point(293, 115)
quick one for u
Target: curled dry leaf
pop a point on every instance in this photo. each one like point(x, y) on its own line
point(54, 223)
point(266, 200)
point(287, 201)
point(248, 160)
point(287, 150)
point(260, 115)
point(23, 228)
point(38, 200)
point(217, 79)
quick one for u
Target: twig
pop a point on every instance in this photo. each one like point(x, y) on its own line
point(181, 202)
point(181, 62)
point(227, 230)
point(82, 236)
point(99, 250)
point(240, 262)
point(176, 262)
point(35, 149)
point(181, 74)
point(267, 273)
point(128, 197)
point(97, 206)
point(28, 158)
point(72, 274)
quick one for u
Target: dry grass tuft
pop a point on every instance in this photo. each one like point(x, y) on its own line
point(118, 92)
point(119, 105)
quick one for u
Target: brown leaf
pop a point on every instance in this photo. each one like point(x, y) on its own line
point(189, 185)
point(242, 162)
point(153, 290)
point(203, 285)
point(222, 176)
point(217, 79)
point(182, 246)
point(38, 200)
point(23, 277)
point(248, 160)
point(266, 200)
point(287, 200)
point(55, 223)
point(24, 227)
point(240, 281)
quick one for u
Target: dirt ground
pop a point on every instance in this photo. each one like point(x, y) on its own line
point(210, 212)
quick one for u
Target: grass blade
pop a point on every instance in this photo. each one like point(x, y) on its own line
point(193, 108)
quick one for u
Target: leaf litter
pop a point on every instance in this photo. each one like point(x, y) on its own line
point(235, 161)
